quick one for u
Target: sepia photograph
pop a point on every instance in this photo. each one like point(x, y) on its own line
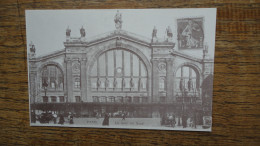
point(121, 68)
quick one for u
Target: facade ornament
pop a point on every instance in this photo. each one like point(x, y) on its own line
point(154, 35)
point(118, 20)
point(82, 32)
point(68, 31)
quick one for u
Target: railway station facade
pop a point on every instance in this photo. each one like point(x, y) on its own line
point(121, 71)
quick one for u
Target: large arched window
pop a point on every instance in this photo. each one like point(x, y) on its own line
point(52, 78)
point(186, 81)
point(119, 70)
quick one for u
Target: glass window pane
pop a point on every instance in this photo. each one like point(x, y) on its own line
point(102, 65)
point(110, 63)
point(127, 63)
point(94, 69)
point(135, 65)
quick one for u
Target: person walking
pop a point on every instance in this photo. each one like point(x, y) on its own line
point(106, 120)
point(61, 121)
point(54, 118)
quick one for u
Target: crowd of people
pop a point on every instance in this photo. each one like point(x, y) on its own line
point(169, 120)
point(52, 117)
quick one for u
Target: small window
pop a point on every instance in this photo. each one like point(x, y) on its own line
point(162, 84)
point(129, 99)
point(53, 99)
point(77, 83)
point(111, 99)
point(103, 99)
point(95, 99)
point(45, 98)
point(136, 100)
point(61, 98)
point(119, 99)
point(162, 99)
point(144, 99)
point(77, 98)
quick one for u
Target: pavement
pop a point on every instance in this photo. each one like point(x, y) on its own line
point(127, 123)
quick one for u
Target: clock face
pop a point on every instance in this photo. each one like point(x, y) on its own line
point(76, 67)
point(162, 66)
point(119, 70)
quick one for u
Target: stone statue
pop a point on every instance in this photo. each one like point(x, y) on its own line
point(190, 85)
point(82, 32)
point(132, 83)
point(32, 48)
point(123, 83)
point(68, 30)
point(98, 83)
point(118, 20)
point(205, 51)
point(154, 34)
point(107, 83)
point(115, 83)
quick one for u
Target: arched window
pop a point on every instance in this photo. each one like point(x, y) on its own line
point(118, 70)
point(52, 78)
point(162, 84)
point(186, 81)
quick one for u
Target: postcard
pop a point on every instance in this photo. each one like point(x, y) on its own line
point(121, 68)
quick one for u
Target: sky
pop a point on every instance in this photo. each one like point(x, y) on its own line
point(47, 28)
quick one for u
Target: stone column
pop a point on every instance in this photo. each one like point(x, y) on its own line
point(33, 81)
point(83, 79)
point(169, 80)
point(69, 80)
point(33, 86)
point(155, 81)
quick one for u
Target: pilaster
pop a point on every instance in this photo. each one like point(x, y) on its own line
point(69, 80)
point(169, 79)
point(155, 81)
point(83, 79)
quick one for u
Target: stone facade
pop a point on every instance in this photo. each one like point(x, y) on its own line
point(69, 76)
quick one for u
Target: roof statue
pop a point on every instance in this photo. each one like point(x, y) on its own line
point(32, 50)
point(68, 30)
point(82, 32)
point(118, 20)
point(169, 34)
point(32, 47)
point(154, 35)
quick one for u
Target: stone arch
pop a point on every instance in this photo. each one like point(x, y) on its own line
point(95, 53)
point(196, 68)
point(191, 65)
point(137, 52)
point(50, 63)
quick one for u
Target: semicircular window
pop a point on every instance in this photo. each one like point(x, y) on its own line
point(186, 82)
point(52, 78)
point(119, 70)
